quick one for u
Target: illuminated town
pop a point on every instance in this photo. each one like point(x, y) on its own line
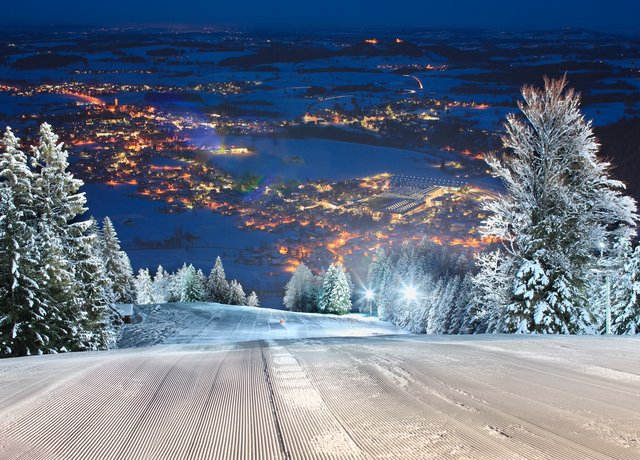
point(145, 124)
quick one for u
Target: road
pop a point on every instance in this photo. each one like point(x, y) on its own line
point(376, 397)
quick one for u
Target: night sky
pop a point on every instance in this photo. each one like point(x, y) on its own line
point(611, 15)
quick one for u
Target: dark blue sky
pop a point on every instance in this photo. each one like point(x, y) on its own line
point(506, 14)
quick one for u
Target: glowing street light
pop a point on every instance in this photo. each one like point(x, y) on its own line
point(368, 295)
point(410, 293)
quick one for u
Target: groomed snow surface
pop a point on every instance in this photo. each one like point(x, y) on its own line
point(235, 382)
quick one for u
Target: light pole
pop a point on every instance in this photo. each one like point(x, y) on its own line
point(368, 295)
point(607, 320)
point(410, 294)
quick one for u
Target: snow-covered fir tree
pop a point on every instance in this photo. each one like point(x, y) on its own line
point(192, 289)
point(176, 281)
point(160, 292)
point(24, 314)
point(55, 293)
point(378, 279)
point(236, 294)
point(117, 264)
point(217, 285)
point(625, 314)
point(252, 300)
point(102, 320)
point(144, 287)
point(300, 290)
point(435, 273)
point(335, 296)
point(560, 207)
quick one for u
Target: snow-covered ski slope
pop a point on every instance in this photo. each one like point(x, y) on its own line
point(368, 397)
point(212, 323)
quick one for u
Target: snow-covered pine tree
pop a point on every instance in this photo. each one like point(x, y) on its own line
point(144, 288)
point(299, 292)
point(61, 238)
point(117, 264)
point(160, 292)
point(192, 290)
point(102, 321)
point(176, 281)
point(24, 313)
point(236, 294)
point(461, 304)
point(625, 314)
point(217, 285)
point(559, 207)
point(378, 279)
point(336, 295)
point(202, 281)
point(252, 300)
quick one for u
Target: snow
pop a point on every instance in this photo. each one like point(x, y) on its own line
point(206, 323)
point(287, 395)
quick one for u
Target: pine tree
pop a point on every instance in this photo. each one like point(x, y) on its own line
point(300, 290)
point(192, 290)
point(61, 239)
point(117, 264)
point(24, 314)
point(625, 315)
point(176, 282)
point(102, 321)
point(460, 307)
point(55, 295)
point(379, 279)
point(236, 294)
point(336, 295)
point(144, 288)
point(217, 285)
point(160, 292)
point(560, 206)
point(252, 300)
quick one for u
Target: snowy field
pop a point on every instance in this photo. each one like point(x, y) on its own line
point(283, 395)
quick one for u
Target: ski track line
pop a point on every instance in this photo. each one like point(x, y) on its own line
point(34, 389)
point(565, 418)
point(438, 435)
point(551, 422)
point(310, 429)
point(601, 384)
point(236, 420)
point(52, 414)
point(541, 439)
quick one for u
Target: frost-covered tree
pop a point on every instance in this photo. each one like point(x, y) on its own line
point(460, 307)
point(24, 314)
point(625, 314)
point(192, 289)
point(176, 281)
point(144, 287)
point(102, 321)
point(117, 264)
point(299, 294)
point(160, 292)
point(379, 280)
point(335, 296)
point(252, 300)
point(560, 206)
point(217, 285)
point(236, 294)
point(55, 293)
